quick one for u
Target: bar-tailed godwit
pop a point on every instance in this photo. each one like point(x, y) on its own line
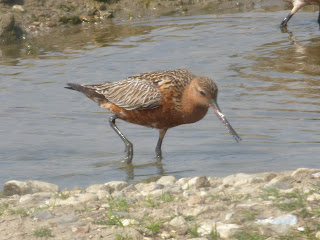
point(160, 99)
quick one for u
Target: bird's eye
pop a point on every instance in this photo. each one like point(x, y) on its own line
point(202, 93)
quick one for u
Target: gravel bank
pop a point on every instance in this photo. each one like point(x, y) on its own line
point(269, 206)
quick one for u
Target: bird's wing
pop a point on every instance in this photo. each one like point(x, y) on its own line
point(131, 93)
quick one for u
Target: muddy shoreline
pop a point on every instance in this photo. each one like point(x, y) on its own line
point(33, 16)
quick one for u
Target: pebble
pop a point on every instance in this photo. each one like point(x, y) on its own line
point(316, 175)
point(18, 8)
point(236, 179)
point(195, 211)
point(27, 187)
point(116, 185)
point(95, 188)
point(313, 197)
point(65, 219)
point(280, 182)
point(127, 222)
point(177, 221)
point(288, 219)
point(166, 180)
point(228, 216)
point(227, 230)
point(26, 198)
point(44, 214)
point(87, 197)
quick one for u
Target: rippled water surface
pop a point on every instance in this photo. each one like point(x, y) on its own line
point(269, 89)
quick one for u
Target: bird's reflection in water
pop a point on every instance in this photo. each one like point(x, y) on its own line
point(129, 169)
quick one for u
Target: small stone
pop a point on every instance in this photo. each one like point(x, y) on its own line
point(228, 216)
point(26, 198)
point(195, 211)
point(177, 221)
point(188, 193)
point(18, 8)
point(172, 189)
point(280, 182)
point(87, 197)
point(165, 235)
point(236, 179)
point(316, 175)
point(200, 238)
point(303, 171)
point(203, 194)
point(226, 230)
point(156, 193)
point(27, 187)
point(95, 188)
point(69, 201)
point(318, 235)
point(129, 189)
point(83, 230)
point(118, 195)
point(197, 182)
point(179, 224)
point(65, 219)
point(301, 229)
point(103, 194)
point(288, 219)
point(127, 222)
point(166, 180)
point(195, 200)
point(44, 214)
point(313, 197)
point(145, 189)
point(116, 185)
point(42, 195)
point(182, 181)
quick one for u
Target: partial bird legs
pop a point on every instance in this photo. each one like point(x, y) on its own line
point(128, 145)
point(162, 132)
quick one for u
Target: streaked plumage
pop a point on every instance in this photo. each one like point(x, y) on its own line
point(160, 99)
point(297, 4)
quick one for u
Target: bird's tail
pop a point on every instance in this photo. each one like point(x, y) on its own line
point(89, 92)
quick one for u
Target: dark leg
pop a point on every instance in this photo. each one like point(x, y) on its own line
point(128, 144)
point(162, 132)
point(286, 20)
point(319, 16)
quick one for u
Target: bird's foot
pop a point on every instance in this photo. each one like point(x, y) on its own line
point(159, 155)
point(128, 152)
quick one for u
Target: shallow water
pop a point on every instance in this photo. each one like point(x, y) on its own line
point(269, 89)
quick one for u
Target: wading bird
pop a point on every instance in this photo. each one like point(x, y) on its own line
point(160, 99)
point(297, 4)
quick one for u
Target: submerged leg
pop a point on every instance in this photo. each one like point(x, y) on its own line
point(285, 20)
point(296, 6)
point(319, 16)
point(162, 132)
point(128, 144)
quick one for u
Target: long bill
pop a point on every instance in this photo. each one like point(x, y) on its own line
point(223, 119)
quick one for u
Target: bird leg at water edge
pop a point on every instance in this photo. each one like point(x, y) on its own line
point(286, 20)
point(162, 132)
point(319, 16)
point(127, 143)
